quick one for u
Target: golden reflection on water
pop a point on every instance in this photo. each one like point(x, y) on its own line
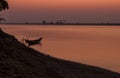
point(94, 45)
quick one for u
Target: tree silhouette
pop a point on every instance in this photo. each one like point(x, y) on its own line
point(3, 5)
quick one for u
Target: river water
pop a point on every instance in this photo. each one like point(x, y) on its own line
point(93, 45)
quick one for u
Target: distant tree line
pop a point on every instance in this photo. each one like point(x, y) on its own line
point(57, 22)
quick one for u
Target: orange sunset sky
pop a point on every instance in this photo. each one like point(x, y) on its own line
point(70, 10)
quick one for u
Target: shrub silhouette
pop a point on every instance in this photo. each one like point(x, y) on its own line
point(3, 5)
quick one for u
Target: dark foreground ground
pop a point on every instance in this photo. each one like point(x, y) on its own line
point(19, 61)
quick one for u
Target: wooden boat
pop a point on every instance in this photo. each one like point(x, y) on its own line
point(33, 42)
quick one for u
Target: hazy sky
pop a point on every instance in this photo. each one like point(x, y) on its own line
point(70, 10)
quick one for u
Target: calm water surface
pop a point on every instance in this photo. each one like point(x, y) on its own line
point(94, 45)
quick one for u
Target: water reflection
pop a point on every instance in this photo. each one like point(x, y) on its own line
point(93, 45)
